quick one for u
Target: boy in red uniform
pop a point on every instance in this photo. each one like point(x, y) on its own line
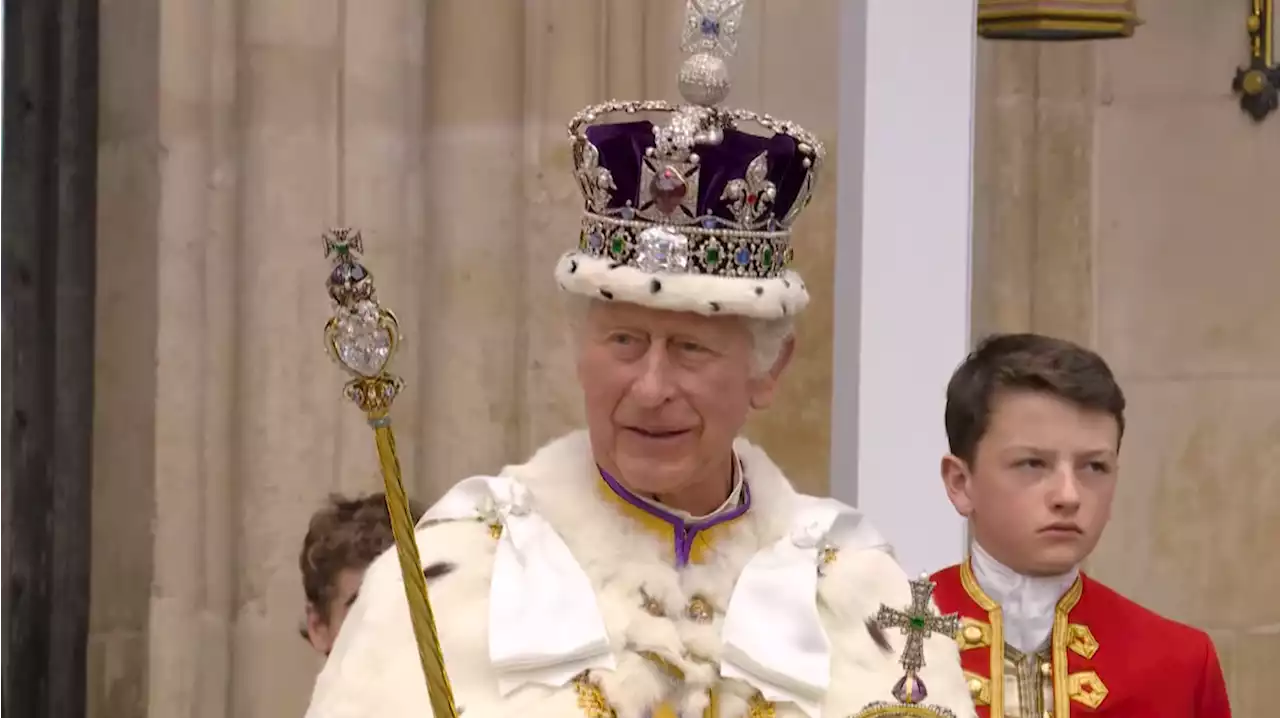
point(1034, 425)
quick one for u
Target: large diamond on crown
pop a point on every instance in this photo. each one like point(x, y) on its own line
point(662, 250)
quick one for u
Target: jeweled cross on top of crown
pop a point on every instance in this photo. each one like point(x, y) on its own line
point(918, 622)
point(711, 26)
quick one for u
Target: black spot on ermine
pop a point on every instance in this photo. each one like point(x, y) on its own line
point(438, 569)
point(655, 286)
point(877, 635)
point(606, 294)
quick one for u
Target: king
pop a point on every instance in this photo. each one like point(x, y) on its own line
point(656, 563)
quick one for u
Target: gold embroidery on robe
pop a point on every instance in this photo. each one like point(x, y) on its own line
point(591, 699)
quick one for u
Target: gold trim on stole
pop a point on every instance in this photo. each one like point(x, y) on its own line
point(994, 616)
point(1061, 634)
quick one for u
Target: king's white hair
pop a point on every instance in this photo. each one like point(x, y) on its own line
point(768, 336)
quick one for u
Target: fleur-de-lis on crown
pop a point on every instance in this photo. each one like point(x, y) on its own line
point(752, 196)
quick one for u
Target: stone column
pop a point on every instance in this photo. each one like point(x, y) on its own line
point(1032, 188)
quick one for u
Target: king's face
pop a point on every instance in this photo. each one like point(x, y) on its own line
point(666, 393)
point(1042, 481)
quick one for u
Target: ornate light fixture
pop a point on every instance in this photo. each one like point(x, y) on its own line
point(1057, 19)
point(1258, 83)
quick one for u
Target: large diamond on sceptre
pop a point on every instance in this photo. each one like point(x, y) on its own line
point(362, 338)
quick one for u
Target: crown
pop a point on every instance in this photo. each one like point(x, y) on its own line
point(697, 198)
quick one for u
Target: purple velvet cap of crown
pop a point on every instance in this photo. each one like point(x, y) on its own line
point(622, 147)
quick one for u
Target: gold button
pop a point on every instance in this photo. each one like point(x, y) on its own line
point(975, 687)
point(653, 608)
point(1046, 669)
point(699, 610)
point(972, 634)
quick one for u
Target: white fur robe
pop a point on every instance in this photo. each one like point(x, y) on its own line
point(374, 670)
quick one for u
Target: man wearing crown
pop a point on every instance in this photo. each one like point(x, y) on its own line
point(657, 564)
point(1034, 425)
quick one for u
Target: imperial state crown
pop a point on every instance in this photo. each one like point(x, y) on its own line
point(692, 210)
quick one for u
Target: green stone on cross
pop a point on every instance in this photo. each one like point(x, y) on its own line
point(918, 622)
point(342, 244)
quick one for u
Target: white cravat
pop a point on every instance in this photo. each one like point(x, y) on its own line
point(1027, 602)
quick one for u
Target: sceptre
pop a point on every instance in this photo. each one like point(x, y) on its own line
point(362, 337)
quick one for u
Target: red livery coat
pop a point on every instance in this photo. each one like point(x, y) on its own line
point(1111, 658)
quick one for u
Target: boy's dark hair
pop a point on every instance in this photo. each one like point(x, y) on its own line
point(344, 534)
point(1025, 362)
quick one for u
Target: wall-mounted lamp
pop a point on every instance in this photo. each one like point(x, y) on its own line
point(1057, 19)
point(1258, 82)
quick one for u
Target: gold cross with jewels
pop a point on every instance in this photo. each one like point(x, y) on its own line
point(918, 622)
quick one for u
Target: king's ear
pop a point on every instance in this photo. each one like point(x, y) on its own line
point(765, 386)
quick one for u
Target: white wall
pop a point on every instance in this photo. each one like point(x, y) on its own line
point(903, 263)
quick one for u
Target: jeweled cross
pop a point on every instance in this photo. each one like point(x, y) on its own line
point(342, 244)
point(918, 622)
point(712, 26)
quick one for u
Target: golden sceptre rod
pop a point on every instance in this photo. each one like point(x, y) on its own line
point(362, 337)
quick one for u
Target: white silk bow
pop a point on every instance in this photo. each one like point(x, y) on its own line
point(773, 636)
point(545, 626)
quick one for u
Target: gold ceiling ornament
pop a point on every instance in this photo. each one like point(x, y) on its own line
point(1258, 83)
point(362, 338)
point(1057, 20)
